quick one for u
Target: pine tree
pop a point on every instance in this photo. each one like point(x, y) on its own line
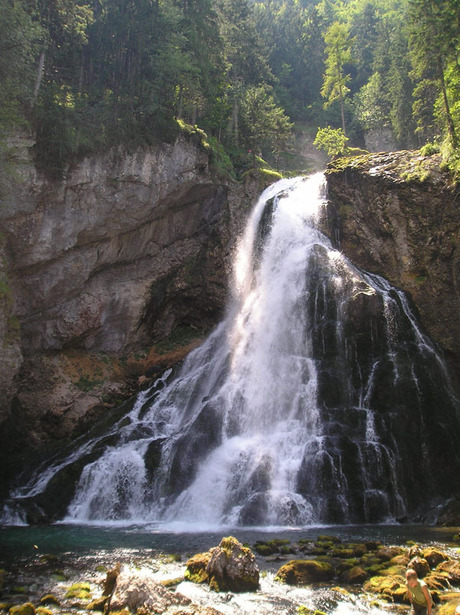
point(338, 54)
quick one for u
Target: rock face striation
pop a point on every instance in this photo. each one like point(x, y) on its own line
point(129, 247)
point(133, 246)
point(397, 215)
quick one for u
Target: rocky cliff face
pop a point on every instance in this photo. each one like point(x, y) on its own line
point(397, 215)
point(99, 267)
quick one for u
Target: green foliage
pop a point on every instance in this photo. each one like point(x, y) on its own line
point(86, 76)
point(429, 149)
point(266, 127)
point(338, 53)
point(332, 140)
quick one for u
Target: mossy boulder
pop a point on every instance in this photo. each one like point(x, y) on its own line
point(434, 556)
point(450, 604)
point(452, 568)
point(271, 547)
point(390, 588)
point(354, 576)
point(98, 604)
point(232, 567)
point(80, 591)
point(393, 571)
point(196, 570)
point(385, 554)
point(22, 609)
point(420, 565)
point(304, 610)
point(49, 599)
point(228, 567)
point(304, 572)
point(400, 560)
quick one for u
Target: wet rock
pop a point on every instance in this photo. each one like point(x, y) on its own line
point(354, 576)
point(304, 572)
point(385, 554)
point(137, 590)
point(49, 599)
point(196, 570)
point(22, 609)
point(228, 567)
point(388, 587)
point(434, 556)
point(420, 565)
point(452, 568)
point(80, 591)
point(450, 604)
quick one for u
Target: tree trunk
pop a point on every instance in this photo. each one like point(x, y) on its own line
point(450, 121)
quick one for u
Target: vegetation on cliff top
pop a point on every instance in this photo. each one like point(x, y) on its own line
point(86, 75)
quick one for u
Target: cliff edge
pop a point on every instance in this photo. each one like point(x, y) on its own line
point(397, 215)
point(115, 271)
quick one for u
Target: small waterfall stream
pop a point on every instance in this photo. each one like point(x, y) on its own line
point(317, 400)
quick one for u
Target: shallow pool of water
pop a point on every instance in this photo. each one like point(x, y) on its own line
point(84, 552)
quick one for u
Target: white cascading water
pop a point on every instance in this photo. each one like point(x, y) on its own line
point(267, 397)
point(277, 419)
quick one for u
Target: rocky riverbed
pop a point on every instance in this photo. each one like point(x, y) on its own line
point(322, 574)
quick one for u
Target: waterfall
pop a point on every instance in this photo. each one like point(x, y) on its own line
point(318, 399)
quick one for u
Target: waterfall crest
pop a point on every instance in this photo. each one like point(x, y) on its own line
point(317, 400)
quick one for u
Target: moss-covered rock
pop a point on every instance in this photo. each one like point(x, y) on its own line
point(434, 556)
point(196, 568)
point(228, 567)
point(390, 588)
point(98, 604)
point(449, 605)
point(304, 572)
point(22, 609)
point(49, 599)
point(232, 567)
point(400, 560)
point(354, 576)
point(385, 554)
point(80, 591)
point(393, 571)
point(452, 568)
point(420, 565)
point(270, 547)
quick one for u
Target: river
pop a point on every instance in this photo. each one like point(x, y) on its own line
point(48, 559)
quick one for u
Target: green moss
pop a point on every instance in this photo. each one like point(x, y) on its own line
point(263, 174)
point(81, 591)
point(22, 609)
point(263, 549)
point(98, 604)
point(429, 149)
point(303, 610)
point(276, 545)
point(49, 599)
point(172, 582)
point(328, 538)
point(303, 572)
point(196, 568)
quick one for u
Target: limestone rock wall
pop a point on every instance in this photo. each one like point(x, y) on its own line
point(127, 248)
point(397, 215)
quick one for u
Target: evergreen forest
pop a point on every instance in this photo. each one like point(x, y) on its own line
point(246, 76)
